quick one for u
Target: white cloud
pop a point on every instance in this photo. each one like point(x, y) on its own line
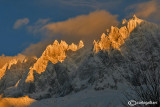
point(20, 22)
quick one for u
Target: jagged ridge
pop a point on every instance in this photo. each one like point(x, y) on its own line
point(54, 53)
point(117, 36)
point(124, 48)
point(11, 61)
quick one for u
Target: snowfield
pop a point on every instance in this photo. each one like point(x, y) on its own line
point(85, 98)
point(16, 102)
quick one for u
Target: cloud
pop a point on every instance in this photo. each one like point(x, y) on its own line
point(21, 22)
point(83, 27)
point(36, 49)
point(36, 28)
point(147, 10)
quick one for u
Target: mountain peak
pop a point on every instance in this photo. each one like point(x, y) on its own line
point(53, 53)
point(11, 61)
point(134, 16)
point(117, 35)
point(55, 42)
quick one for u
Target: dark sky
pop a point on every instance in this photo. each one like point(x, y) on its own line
point(15, 39)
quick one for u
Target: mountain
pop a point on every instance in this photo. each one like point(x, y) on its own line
point(116, 62)
point(7, 62)
point(13, 71)
point(5, 59)
point(116, 37)
point(54, 53)
point(128, 49)
point(31, 75)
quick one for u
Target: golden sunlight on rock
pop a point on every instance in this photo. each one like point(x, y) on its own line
point(54, 53)
point(16, 102)
point(9, 62)
point(3, 70)
point(6, 59)
point(117, 36)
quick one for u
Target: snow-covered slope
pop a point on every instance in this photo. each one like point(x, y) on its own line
point(47, 70)
point(132, 44)
point(16, 102)
point(130, 47)
point(85, 98)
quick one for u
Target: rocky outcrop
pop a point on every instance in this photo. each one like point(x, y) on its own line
point(9, 62)
point(54, 53)
point(116, 37)
point(54, 82)
point(14, 71)
point(6, 59)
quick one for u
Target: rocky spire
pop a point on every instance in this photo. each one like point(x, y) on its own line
point(11, 61)
point(116, 37)
point(54, 53)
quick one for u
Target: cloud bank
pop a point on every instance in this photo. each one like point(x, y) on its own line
point(20, 22)
point(83, 27)
point(36, 49)
point(147, 10)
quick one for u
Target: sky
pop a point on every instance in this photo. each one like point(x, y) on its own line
point(28, 26)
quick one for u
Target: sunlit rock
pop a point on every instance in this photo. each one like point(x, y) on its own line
point(117, 36)
point(54, 53)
